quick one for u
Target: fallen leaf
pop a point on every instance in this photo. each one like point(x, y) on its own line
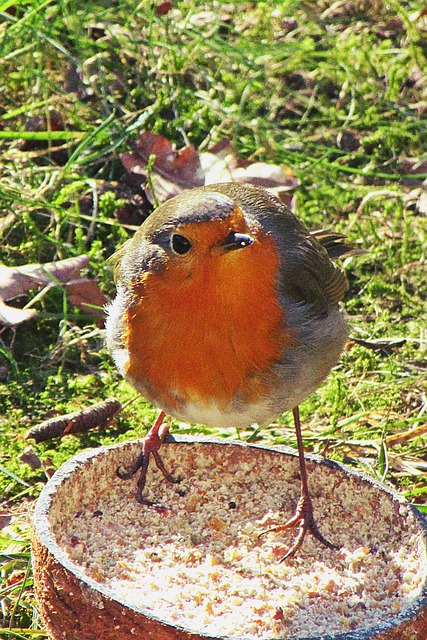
point(30, 457)
point(87, 296)
point(11, 316)
point(74, 82)
point(53, 122)
point(173, 171)
point(414, 165)
point(221, 164)
point(163, 8)
point(5, 520)
point(17, 281)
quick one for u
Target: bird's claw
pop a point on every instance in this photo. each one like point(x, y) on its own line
point(304, 520)
point(150, 445)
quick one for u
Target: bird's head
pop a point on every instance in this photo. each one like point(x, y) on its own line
point(196, 233)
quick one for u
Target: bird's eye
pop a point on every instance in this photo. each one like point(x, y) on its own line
point(180, 244)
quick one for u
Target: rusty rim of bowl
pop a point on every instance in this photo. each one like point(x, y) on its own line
point(47, 496)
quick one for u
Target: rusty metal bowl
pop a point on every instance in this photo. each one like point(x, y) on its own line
point(76, 606)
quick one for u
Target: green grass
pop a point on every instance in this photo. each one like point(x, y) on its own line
point(337, 92)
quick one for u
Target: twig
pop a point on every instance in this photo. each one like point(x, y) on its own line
point(77, 422)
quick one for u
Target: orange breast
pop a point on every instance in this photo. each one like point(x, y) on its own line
point(206, 337)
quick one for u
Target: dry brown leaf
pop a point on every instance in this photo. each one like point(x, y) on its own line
point(175, 171)
point(414, 165)
point(163, 8)
point(30, 457)
point(222, 164)
point(87, 296)
point(11, 316)
point(74, 82)
point(172, 171)
point(5, 519)
point(17, 281)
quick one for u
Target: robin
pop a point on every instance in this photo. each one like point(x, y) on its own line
point(227, 314)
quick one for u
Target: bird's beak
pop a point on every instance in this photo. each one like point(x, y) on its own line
point(236, 240)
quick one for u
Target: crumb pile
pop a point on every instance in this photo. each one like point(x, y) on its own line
point(199, 562)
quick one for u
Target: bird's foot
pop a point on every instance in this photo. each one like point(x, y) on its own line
point(304, 520)
point(150, 445)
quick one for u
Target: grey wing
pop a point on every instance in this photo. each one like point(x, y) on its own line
point(310, 275)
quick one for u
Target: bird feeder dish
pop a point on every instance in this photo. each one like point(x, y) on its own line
point(194, 566)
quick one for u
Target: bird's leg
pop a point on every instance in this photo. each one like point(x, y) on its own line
point(150, 445)
point(303, 517)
